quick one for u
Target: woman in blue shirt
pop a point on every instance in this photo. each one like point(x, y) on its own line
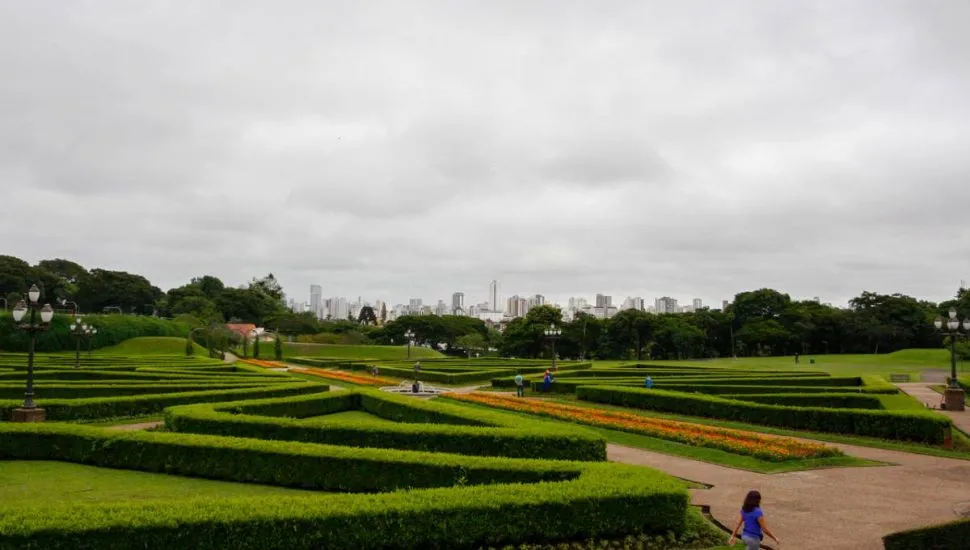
point(753, 520)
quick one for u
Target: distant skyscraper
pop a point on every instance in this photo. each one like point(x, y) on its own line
point(537, 300)
point(458, 303)
point(414, 305)
point(724, 304)
point(633, 303)
point(516, 307)
point(493, 296)
point(604, 301)
point(666, 305)
point(441, 308)
point(698, 304)
point(316, 300)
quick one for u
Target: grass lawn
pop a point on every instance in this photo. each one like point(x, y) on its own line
point(31, 482)
point(909, 361)
point(294, 349)
point(152, 345)
point(703, 454)
point(349, 417)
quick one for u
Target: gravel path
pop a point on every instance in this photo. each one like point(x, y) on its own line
point(135, 427)
point(837, 508)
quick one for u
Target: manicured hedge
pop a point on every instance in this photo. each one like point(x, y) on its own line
point(287, 464)
point(111, 407)
point(54, 390)
point(423, 426)
point(827, 400)
point(922, 427)
point(607, 500)
point(947, 536)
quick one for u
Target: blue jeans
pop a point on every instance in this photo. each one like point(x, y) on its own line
point(520, 391)
point(751, 543)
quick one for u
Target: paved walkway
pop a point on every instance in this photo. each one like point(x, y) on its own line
point(922, 392)
point(837, 508)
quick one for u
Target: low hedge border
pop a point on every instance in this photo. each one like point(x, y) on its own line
point(603, 500)
point(570, 385)
point(946, 536)
point(138, 405)
point(84, 391)
point(920, 427)
point(423, 426)
point(825, 400)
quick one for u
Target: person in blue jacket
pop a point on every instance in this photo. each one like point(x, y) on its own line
point(547, 381)
point(648, 383)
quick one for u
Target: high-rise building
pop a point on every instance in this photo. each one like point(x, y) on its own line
point(458, 303)
point(441, 308)
point(666, 305)
point(338, 308)
point(724, 304)
point(536, 300)
point(516, 307)
point(603, 301)
point(493, 296)
point(632, 303)
point(698, 304)
point(414, 305)
point(316, 300)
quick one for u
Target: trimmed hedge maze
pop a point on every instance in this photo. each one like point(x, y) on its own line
point(388, 485)
point(444, 371)
point(118, 386)
point(422, 426)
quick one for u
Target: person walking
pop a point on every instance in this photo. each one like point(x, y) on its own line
point(547, 382)
point(753, 520)
point(519, 388)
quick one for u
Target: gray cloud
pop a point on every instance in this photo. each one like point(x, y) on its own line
point(392, 150)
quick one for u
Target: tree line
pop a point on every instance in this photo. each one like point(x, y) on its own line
point(761, 322)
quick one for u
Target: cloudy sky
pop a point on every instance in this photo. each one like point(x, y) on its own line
point(397, 149)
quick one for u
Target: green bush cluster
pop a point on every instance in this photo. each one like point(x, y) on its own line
point(423, 426)
point(920, 427)
point(826, 400)
point(138, 405)
point(112, 330)
point(947, 536)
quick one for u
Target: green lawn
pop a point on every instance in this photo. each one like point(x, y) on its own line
point(383, 353)
point(24, 482)
point(909, 361)
point(152, 345)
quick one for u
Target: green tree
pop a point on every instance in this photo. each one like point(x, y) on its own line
point(256, 346)
point(366, 316)
point(100, 289)
point(278, 348)
point(471, 342)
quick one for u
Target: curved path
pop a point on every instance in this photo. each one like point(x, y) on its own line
point(837, 508)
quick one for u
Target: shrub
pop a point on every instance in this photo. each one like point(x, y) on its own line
point(111, 407)
point(826, 400)
point(946, 536)
point(81, 391)
point(423, 426)
point(578, 501)
point(922, 427)
point(112, 330)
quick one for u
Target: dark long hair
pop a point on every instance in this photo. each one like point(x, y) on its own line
point(751, 501)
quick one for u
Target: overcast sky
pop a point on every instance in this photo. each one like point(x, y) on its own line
point(412, 149)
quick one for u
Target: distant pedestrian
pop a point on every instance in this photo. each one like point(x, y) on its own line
point(519, 385)
point(373, 371)
point(753, 520)
point(648, 382)
point(796, 357)
point(547, 382)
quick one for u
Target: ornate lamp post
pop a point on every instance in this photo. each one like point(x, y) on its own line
point(553, 333)
point(409, 336)
point(30, 412)
point(78, 330)
point(90, 334)
point(955, 396)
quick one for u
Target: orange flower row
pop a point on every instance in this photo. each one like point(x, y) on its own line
point(264, 364)
point(767, 447)
point(345, 377)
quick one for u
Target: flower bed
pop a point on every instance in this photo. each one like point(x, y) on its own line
point(345, 377)
point(766, 447)
point(264, 364)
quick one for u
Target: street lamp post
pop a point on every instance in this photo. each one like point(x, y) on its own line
point(409, 336)
point(552, 333)
point(31, 412)
point(954, 397)
point(78, 330)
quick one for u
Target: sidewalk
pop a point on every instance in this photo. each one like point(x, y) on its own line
point(922, 392)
